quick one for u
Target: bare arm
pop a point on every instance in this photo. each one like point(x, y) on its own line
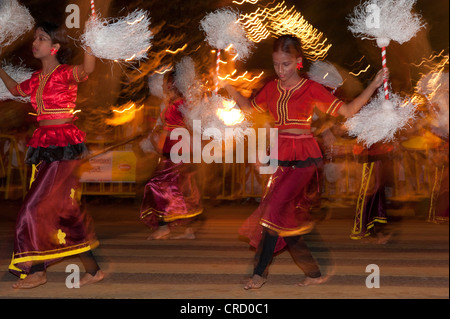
point(241, 100)
point(158, 137)
point(349, 109)
point(10, 83)
point(88, 65)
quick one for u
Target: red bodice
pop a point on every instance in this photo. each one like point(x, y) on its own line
point(53, 95)
point(294, 107)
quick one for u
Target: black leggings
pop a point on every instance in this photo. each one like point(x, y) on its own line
point(297, 248)
point(87, 258)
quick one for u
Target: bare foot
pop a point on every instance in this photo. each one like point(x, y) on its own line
point(31, 281)
point(313, 281)
point(188, 234)
point(89, 279)
point(162, 232)
point(255, 282)
point(383, 239)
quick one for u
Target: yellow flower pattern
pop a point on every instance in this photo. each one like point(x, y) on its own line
point(61, 237)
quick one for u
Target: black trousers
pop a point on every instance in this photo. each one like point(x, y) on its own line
point(297, 248)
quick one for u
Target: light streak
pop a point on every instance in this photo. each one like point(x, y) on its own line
point(177, 50)
point(123, 114)
point(136, 21)
point(243, 1)
point(362, 71)
point(164, 70)
point(240, 77)
point(280, 20)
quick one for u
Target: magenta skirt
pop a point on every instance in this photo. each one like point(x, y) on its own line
point(285, 205)
point(171, 196)
point(50, 224)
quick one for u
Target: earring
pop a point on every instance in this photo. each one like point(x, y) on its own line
point(299, 65)
point(53, 51)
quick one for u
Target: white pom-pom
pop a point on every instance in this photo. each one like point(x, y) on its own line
point(219, 113)
point(15, 20)
point(19, 74)
point(387, 105)
point(222, 29)
point(146, 145)
point(385, 20)
point(186, 80)
point(155, 85)
point(123, 40)
point(326, 74)
point(379, 120)
point(383, 42)
point(435, 86)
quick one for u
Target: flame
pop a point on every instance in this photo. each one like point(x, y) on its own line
point(230, 114)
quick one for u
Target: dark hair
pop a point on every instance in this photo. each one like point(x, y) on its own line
point(57, 35)
point(288, 44)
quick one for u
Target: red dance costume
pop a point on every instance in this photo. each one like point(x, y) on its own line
point(50, 224)
point(172, 195)
point(285, 204)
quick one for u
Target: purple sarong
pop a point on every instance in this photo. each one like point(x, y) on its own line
point(171, 196)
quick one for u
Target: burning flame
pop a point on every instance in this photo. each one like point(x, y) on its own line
point(230, 114)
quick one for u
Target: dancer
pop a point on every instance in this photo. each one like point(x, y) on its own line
point(370, 216)
point(50, 224)
point(171, 197)
point(283, 214)
point(438, 211)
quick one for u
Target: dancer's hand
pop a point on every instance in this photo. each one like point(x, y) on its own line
point(379, 78)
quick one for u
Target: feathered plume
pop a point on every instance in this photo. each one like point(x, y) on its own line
point(19, 74)
point(435, 86)
point(379, 120)
point(222, 29)
point(123, 40)
point(325, 73)
point(15, 20)
point(186, 80)
point(155, 85)
point(385, 20)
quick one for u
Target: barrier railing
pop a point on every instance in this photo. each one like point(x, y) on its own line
point(413, 176)
point(11, 160)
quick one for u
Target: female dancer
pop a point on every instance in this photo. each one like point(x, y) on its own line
point(283, 213)
point(171, 197)
point(50, 224)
